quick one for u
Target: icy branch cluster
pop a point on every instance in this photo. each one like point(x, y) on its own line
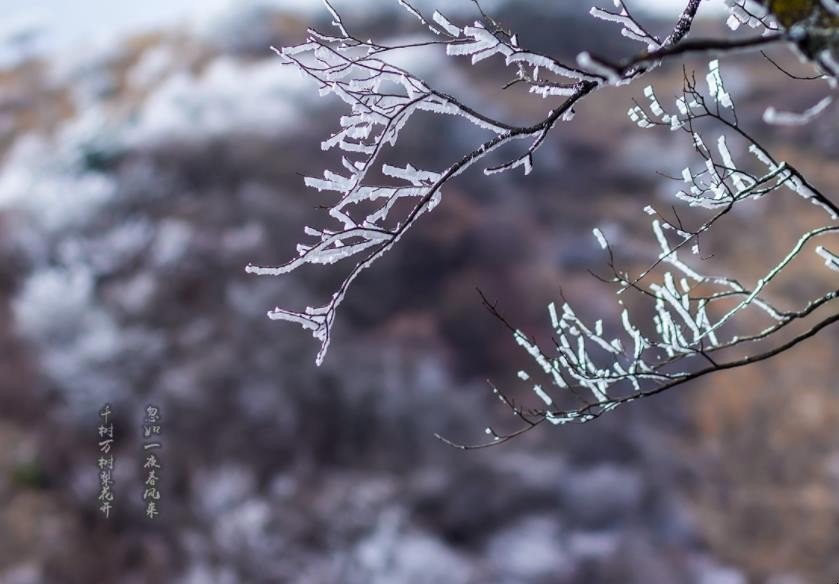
point(382, 98)
point(376, 202)
point(749, 12)
point(602, 371)
point(630, 27)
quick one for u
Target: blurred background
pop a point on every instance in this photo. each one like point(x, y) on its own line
point(149, 151)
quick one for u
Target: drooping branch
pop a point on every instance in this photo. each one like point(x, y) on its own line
point(691, 319)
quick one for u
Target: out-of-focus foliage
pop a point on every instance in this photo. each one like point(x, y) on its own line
point(790, 12)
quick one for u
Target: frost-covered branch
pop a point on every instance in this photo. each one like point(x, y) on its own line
point(691, 310)
point(382, 98)
point(377, 202)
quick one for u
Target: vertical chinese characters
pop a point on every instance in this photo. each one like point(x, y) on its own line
point(105, 463)
point(151, 462)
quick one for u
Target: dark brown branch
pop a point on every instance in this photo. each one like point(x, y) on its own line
point(702, 46)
